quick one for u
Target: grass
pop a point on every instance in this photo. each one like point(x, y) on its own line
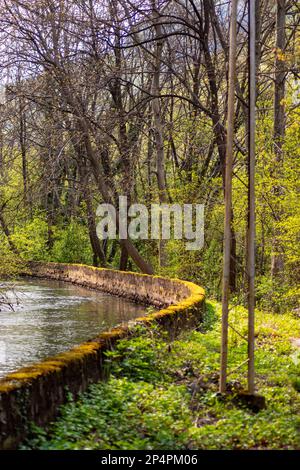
point(163, 395)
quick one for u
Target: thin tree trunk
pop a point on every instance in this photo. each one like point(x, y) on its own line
point(158, 121)
point(98, 254)
point(159, 127)
point(251, 195)
point(22, 141)
point(228, 196)
point(279, 130)
point(123, 259)
point(149, 168)
point(1, 149)
point(116, 92)
point(220, 138)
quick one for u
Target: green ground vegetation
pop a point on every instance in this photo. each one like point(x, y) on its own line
point(163, 395)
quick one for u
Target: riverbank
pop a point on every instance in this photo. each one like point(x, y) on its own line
point(163, 395)
point(34, 393)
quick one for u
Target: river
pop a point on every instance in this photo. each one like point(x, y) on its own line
point(49, 317)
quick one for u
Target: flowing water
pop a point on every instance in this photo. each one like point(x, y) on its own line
point(49, 317)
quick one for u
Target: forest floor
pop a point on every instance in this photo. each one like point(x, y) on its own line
point(163, 395)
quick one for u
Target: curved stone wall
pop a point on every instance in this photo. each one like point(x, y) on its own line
point(34, 393)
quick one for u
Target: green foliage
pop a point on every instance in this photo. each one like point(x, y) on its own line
point(163, 396)
point(138, 358)
point(160, 416)
point(276, 294)
point(212, 267)
point(31, 239)
point(10, 263)
point(72, 245)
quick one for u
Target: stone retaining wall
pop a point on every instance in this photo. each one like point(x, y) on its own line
point(34, 393)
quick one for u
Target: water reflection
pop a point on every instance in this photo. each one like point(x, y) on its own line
point(51, 316)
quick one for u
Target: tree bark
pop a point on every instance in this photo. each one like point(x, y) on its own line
point(220, 137)
point(251, 193)
point(22, 141)
point(228, 196)
point(159, 126)
point(277, 262)
point(98, 254)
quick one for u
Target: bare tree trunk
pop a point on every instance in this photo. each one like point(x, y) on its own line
point(251, 194)
point(22, 141)
point(228, 196)
point(158, 125)
point(98, 254)
point(233, 257)
point(1, 148)
point(158, 120)
point(220, 139)
point(149, 161)
point(116, 92)
point(279, 130)
point(123, 259)
point(258, 23)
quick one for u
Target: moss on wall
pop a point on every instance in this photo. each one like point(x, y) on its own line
point(34, 393)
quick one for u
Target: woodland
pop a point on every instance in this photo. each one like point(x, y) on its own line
point(149, 99)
